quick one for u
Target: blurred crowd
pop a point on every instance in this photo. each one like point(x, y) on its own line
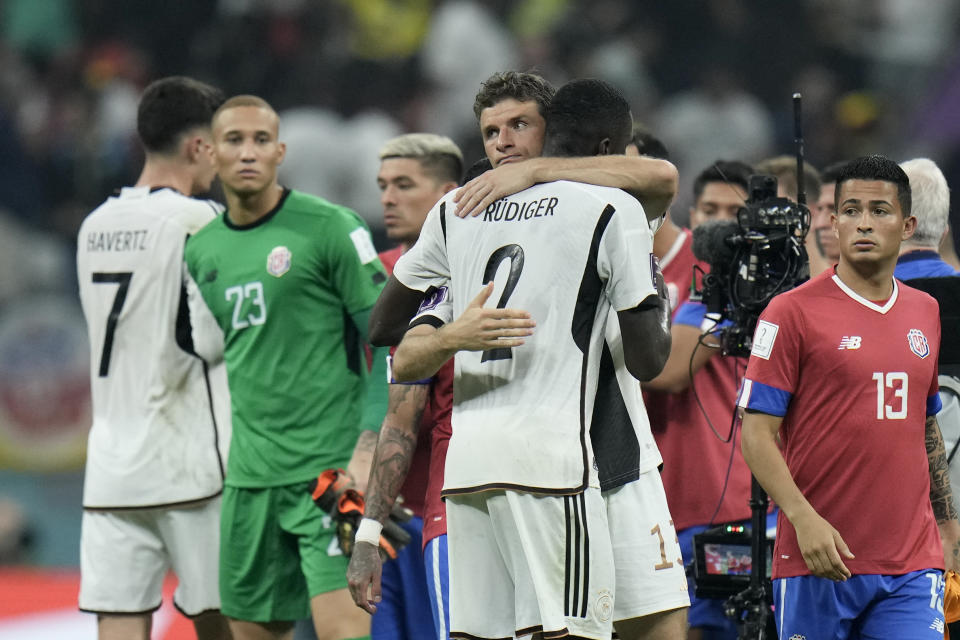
point(709, 77)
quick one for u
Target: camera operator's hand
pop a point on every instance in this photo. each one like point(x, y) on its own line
point(822, 547)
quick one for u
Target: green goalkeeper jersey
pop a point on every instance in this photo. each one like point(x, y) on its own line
point(283, 290)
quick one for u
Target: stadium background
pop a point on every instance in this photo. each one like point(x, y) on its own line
point(711, 77)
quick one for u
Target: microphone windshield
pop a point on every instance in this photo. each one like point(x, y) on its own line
point(710, 241)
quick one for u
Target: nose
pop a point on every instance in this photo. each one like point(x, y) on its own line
point(387, 196)
point(504, 139)
point(247, 152)
point(865, 222)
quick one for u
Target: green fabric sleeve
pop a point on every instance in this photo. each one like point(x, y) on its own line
point(375, 401)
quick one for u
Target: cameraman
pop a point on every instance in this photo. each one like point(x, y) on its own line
point(704, 474)
point(843, 372)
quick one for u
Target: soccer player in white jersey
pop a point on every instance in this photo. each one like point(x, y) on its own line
point(840, 429)
point(651, 585)
point(520, 454)
point(154, 472)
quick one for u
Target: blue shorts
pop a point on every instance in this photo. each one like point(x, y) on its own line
point(438, 581)
point(707, 614)
point(865, 607)
point(404, 609)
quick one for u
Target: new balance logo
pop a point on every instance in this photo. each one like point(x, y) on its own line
point(849, 342)
point(937, 625)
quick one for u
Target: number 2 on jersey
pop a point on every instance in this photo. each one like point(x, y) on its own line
point(514, 253)
point(121, 278)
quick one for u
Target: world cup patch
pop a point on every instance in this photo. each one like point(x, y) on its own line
point(918, 343)
point(278, 262)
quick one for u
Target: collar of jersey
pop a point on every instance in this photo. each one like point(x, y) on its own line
point(869, 304)
point(918, 254)
point(262, 220)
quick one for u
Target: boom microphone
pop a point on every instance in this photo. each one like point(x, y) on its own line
point(714, 241)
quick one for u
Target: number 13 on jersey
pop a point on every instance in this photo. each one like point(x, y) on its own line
point(897, 382)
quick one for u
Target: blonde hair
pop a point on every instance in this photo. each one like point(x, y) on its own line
point(438, 155)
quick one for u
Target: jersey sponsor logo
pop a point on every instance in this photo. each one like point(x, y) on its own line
point(850, 342)
point(918, 343)
point(763, 339)
point(798, 636)
point(364, 245)
point(433, 300)
point(278, 262)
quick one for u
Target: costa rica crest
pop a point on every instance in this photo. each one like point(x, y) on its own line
point(278, 262)
point(918, 343)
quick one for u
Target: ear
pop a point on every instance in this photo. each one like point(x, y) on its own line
point(193, 147)
point(447, 187)
point(281, 152)
point(909, 226)
point(833, 223)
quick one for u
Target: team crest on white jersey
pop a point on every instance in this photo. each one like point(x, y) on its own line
point(604, 606)
point(278, 262)
point(918, 343)
point(849, 342)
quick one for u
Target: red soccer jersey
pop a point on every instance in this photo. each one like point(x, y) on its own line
point(854, 381)
point(695, 461)
point(677, 267)
point(439, 408)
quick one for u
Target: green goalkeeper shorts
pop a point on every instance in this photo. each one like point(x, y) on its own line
point(277, 550)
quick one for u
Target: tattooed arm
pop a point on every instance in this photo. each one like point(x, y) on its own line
point(941, 495)
point(391, 461)
point(359, 466)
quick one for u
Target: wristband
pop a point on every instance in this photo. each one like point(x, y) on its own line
point(369, 531)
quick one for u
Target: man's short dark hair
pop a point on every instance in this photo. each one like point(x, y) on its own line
point(171, 107)
point(784, 169)
point(582, 114)
point(479, 167)
point(648, 144)
point(879, 168)
point(830, 173)
point(518, 85)
point(727, 171)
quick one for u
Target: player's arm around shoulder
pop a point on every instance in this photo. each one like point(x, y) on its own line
point(653, 182)
point(426, 347)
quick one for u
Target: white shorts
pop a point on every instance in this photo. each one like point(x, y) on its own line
point(646, 553)
point(125, 556)
point(522, 563)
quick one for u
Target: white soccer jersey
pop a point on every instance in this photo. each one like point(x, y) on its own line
point(566, 252)
point(622, 440)
point(160, 415)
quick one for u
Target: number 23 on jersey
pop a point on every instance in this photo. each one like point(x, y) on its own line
point(249, 306)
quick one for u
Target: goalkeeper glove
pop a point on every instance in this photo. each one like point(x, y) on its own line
point(331, 492)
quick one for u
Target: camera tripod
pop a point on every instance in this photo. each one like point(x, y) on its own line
point(752, 608)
